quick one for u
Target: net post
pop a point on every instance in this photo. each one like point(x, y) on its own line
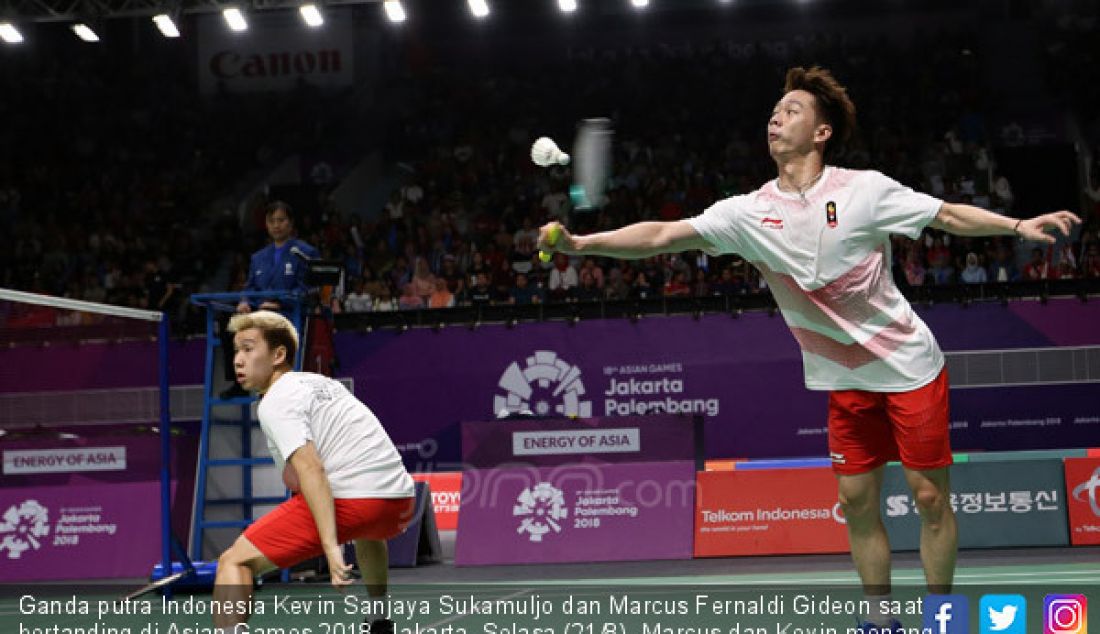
point(165, 453)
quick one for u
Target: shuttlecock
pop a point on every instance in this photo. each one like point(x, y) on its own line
point(544, 152)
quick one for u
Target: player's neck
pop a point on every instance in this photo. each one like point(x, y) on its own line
point(275, 376)
point(278, 244)
point(799, 173)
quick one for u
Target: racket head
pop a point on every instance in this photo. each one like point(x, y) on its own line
point(157, 585)
point(591, 163)
point(552, 236)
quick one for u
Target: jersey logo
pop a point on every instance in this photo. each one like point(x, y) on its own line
point(772, 223)
point(830, 213)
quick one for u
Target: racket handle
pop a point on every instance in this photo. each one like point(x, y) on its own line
point(552, 235)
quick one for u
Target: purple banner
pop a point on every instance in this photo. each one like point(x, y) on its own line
point(96, 496)
point(547, 443)
point(97, 366)
point(744, 375)
point(79, 532)
point(574, 513)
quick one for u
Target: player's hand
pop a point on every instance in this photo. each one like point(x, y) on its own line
point(555, 238)
point(270, 305)
point(340, 572)
point(244, 307)
point(1042, 228)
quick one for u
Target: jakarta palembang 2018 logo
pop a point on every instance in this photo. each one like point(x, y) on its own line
point(541, 509)
point(546, 386)
point(22, 527)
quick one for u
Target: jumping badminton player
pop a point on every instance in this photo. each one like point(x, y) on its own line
point(819, 235)
point(348, 479)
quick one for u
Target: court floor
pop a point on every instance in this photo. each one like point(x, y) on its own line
point(778, 595)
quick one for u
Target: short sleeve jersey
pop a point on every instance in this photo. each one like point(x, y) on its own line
point(359, 458)
point(826, 257)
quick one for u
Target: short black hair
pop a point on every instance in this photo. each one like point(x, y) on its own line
point(833, 104)
point(276, 205)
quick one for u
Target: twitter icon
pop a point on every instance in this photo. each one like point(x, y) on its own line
point(1003, 614)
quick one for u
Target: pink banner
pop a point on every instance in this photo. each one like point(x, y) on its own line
point(79, 532)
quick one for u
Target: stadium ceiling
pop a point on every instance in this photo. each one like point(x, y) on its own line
point(84, 10)
point(74, 10)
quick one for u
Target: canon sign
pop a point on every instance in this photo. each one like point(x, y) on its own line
point(275, 54)
point(231, 64)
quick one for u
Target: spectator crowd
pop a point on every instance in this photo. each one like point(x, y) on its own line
point(129, 208)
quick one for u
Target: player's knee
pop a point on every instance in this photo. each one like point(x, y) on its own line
point(858, 506)
point(235, 555)
point(931, 503)
point(228, 558)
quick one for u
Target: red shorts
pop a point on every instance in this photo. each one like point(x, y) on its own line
point(288, 535)
point(869, 429)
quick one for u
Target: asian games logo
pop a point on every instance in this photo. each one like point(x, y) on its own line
point(542, 508)
point(1091, 486)
point(22, 527)
point(547, 386)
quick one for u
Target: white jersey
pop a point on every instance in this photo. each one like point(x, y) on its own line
point(359, 457)
point(826, 258)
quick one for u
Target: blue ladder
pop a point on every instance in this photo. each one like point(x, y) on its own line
point(226, 303)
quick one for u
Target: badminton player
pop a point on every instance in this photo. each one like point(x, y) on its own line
point(819, 235)
point(348, 480)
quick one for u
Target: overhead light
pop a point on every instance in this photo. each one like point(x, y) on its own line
point(235, 19)
point(311, 14)
point(640, 4)
point(567, 6)
point(84, 32)
point(9, 33)
point(395, 11)
point(479, 8)
point(166, 25)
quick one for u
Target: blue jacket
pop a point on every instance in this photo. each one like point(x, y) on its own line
point(277, 269)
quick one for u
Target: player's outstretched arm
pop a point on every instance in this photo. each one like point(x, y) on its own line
point(631, 242)
point(967, 220)
point(315, 489)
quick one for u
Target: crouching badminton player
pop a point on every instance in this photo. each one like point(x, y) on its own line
point(348, 480)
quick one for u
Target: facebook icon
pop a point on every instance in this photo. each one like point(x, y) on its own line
point(946, 614)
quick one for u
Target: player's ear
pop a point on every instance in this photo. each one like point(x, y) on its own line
point(279, 356)
point(823, 133)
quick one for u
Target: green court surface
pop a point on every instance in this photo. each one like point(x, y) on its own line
point(717, 596)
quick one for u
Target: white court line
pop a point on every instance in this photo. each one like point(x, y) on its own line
point(1038, 576)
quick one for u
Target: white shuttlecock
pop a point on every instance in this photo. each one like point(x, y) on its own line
point(544, 152)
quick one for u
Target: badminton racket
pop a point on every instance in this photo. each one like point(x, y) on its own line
point(591, 168)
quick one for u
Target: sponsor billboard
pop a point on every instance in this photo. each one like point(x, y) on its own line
point(768, 512)
point(79, 532)
point(562, 441)
point(576, 513)
point(276, 53)
point(446, 488)
point(1083, 498)
point(997, 504)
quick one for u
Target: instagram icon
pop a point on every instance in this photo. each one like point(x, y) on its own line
point(1065, 614)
